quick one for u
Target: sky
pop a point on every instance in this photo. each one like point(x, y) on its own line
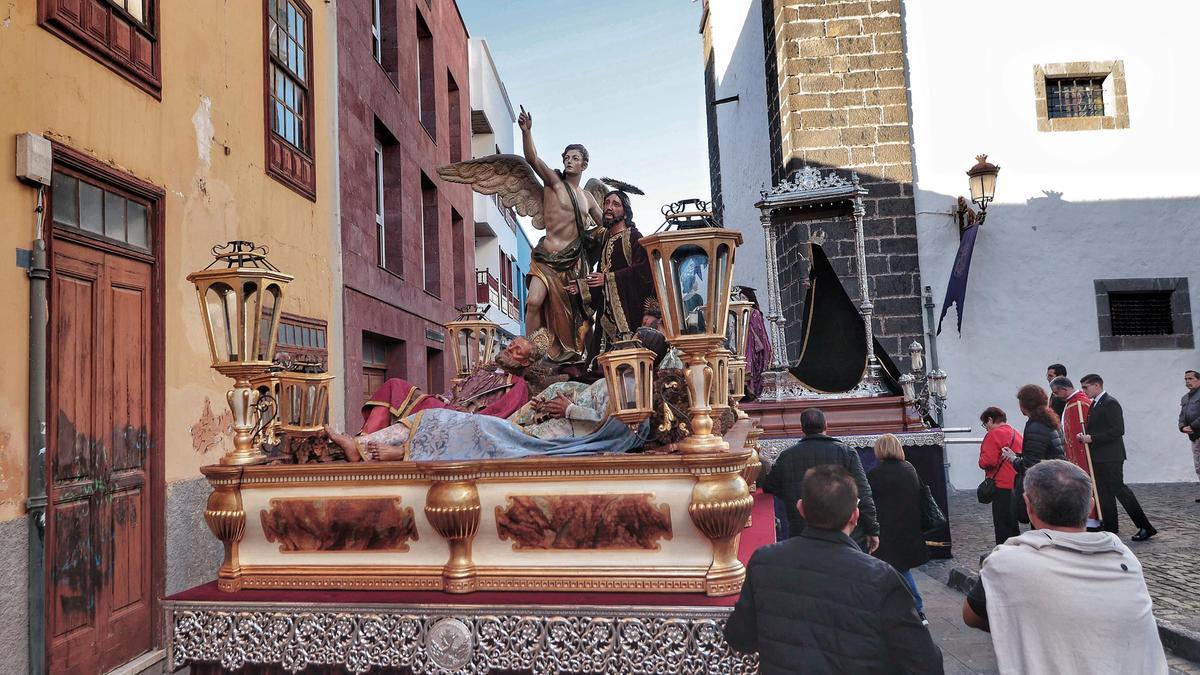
point(623, 77)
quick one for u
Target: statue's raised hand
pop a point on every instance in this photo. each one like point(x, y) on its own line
point(525, 120)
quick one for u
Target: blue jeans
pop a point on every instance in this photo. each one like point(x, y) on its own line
point(912, 586)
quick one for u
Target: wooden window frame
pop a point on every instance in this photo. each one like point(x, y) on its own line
point(96, 27)
point(318, 352)
point(292, 166)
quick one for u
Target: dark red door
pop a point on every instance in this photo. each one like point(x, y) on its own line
point(99, 551)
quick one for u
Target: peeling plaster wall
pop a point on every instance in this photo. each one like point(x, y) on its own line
point(14, 623)
point(203, 144)
point(1072, 207)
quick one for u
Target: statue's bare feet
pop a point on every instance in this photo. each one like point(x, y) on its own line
point(380, 452)
point(346, 443)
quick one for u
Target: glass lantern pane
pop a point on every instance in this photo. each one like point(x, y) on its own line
point(249, 338)
point(628, 388)
point(270, 308)
point(689, 267)
point(221, 303)
point(721, 287)
point(462, 351)
point(731, 334)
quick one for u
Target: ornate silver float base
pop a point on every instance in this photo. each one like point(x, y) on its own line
point(780, 385)
point(444, 639)
point(769, 449)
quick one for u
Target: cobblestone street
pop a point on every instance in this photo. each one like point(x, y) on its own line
point(1169, 559)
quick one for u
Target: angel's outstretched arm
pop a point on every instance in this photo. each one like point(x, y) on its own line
point(525, 121)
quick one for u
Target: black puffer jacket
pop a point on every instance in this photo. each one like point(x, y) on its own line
point(817, 604)
point(1041, 442)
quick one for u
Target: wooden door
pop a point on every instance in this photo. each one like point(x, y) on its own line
point(98, 545)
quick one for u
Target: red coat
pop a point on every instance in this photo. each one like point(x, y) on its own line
point(989, 454)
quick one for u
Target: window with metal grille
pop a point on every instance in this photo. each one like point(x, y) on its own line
point(1075, 97)
point(1144, 313)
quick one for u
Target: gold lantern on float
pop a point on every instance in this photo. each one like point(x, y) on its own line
point(240, 304)
point(740, 310)
point(473, 337)
point(692, 267)
point(304, 399)
point(629, 374)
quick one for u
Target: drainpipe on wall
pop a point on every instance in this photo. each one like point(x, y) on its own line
point(35, 504)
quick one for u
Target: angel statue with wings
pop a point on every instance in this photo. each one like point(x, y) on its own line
point(559, 298)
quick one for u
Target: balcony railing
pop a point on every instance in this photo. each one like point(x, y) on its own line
point(489, 290)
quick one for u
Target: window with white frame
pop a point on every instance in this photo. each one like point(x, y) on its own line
point(376, 31)
point(380, 230)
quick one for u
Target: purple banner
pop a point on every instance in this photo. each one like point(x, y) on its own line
point(956, 290)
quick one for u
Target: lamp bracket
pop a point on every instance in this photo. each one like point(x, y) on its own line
point(968, 216)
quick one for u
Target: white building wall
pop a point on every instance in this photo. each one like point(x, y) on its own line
point(493, 233)
point(1071, 207)
point(739, 67)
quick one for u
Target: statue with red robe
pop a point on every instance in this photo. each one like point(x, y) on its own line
point(495, 389)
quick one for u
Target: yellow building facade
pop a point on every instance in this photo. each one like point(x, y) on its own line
point(174, 127)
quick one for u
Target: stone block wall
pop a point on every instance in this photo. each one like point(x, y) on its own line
point(842, 96)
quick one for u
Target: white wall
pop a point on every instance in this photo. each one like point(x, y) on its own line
point(489, 95)
point(738, 63)
point(1071, 207)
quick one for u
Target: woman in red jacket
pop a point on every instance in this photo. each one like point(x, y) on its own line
point(999, 436)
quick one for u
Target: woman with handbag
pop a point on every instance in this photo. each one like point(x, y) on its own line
point(997, 487)
point(1042, 440)
point(898, 493)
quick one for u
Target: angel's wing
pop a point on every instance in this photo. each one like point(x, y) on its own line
point(508, 176)
point(598, 189)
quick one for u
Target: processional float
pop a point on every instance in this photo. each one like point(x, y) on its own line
point(654, 522)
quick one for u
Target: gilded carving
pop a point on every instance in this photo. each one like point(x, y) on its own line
point(584, 522)
point(339, 524)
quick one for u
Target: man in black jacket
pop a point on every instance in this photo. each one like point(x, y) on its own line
point(786, 476)
point(1105, 431)
point(817, 604)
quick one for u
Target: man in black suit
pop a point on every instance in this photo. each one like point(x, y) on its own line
point(1105, 429)
point(1052, 371)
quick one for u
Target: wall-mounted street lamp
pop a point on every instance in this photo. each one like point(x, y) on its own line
point(983, 189)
